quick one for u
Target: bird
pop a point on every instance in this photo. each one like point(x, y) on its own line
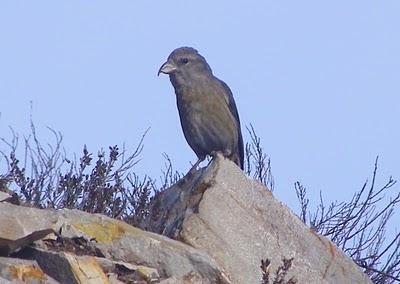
point(207, 110)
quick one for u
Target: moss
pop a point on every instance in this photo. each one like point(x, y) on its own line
point(106, 232)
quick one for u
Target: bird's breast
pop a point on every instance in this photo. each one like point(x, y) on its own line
point(206, 118)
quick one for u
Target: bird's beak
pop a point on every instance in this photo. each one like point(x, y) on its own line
point(167, 68)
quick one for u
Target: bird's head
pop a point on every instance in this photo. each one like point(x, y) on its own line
point(185, 63)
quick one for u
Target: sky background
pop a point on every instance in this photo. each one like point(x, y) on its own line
point(319, 81)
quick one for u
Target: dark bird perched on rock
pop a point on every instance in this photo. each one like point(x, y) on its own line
point(207, 110)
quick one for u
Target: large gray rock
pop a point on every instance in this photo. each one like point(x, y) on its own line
point(20, 226)
point(150, 253)
point(238, 222)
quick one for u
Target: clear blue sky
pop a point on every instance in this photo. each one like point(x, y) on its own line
point(319, 80)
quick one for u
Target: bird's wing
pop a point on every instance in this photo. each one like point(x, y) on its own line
point(233, 110)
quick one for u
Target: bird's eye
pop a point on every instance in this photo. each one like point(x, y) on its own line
point(184, 61)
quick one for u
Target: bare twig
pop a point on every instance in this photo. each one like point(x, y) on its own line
point(257, 163)
point(358, 227)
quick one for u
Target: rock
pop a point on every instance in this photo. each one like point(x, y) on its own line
point(215, 226)
point(14, 270)
point(154, 255)
point(20, 226)
point(238, 222)
point(69, 268)
point(7, 195)
point(4, 197)
point(131, 272)
point(147, 273)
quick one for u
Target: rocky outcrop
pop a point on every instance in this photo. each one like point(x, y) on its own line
point(213, 227)
point(238, 222)
point(76, 247)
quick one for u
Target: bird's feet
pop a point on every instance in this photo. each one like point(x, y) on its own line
point(226, 153)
